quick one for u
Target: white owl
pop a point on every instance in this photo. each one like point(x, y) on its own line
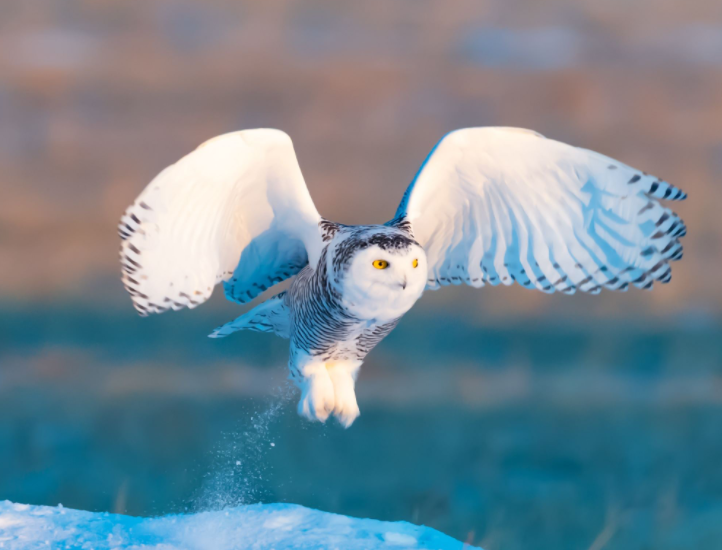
point(488, 206)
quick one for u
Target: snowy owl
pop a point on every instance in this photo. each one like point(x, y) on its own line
point(488, 206)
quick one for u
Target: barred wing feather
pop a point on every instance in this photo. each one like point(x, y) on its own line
point(236, 210)
point(498, 205)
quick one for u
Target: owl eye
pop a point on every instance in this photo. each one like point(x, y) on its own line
point(381, 264)
point(415, 263)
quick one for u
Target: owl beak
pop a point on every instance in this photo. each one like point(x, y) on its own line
point(403, 285)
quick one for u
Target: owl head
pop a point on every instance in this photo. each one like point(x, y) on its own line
point(380, 271)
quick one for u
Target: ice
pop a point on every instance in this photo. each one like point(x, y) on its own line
point(255, 526)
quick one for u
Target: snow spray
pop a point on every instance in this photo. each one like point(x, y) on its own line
point(240, 461)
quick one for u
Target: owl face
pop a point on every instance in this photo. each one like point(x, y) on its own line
point(384, 275)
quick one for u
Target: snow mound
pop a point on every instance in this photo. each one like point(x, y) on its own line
point(258, 527)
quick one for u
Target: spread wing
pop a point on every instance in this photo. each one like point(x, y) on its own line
point(498, 205)
point(235, 210)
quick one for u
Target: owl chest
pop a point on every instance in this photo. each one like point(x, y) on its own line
point(341, 340)
point(324, 328)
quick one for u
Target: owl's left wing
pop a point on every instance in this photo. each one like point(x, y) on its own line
point(498, 205)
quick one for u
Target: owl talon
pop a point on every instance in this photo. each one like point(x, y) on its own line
point(343, 377)
point(317, 397)
point(347, 413)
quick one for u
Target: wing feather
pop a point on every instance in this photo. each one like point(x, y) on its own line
point(236, 210)
point(498, 205)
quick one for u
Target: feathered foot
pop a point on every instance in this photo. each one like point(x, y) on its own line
point(317, 393)
point(343, 377)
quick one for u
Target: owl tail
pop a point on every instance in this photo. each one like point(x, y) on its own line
point(272, 315)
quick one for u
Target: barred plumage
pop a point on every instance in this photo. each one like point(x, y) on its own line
point(322, 324)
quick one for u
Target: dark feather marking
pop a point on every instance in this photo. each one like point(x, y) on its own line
point(666, 249)
point(646, 207)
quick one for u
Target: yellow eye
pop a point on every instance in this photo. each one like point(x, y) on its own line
point(415, 263)
point(381, 264)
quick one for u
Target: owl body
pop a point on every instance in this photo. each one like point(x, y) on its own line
point(338, 312)
point(489, 206)
point(322, 325)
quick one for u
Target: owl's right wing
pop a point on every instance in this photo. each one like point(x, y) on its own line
point(498, 205)
point(235, 210)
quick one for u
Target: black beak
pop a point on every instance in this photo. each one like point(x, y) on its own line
point(403, 285)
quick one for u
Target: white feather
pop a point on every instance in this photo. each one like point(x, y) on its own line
point(235, 210)
point(500, 205)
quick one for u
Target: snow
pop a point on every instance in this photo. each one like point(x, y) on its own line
point(257, 526)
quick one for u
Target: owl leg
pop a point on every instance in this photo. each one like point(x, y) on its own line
point(317, 393)
point(343, 376)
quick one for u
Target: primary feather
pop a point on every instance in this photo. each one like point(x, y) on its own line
point(498, 205)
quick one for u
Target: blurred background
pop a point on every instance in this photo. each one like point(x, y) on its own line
point(503, 417)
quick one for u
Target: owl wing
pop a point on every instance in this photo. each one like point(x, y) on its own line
point(235, 210)
point(498, 205)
